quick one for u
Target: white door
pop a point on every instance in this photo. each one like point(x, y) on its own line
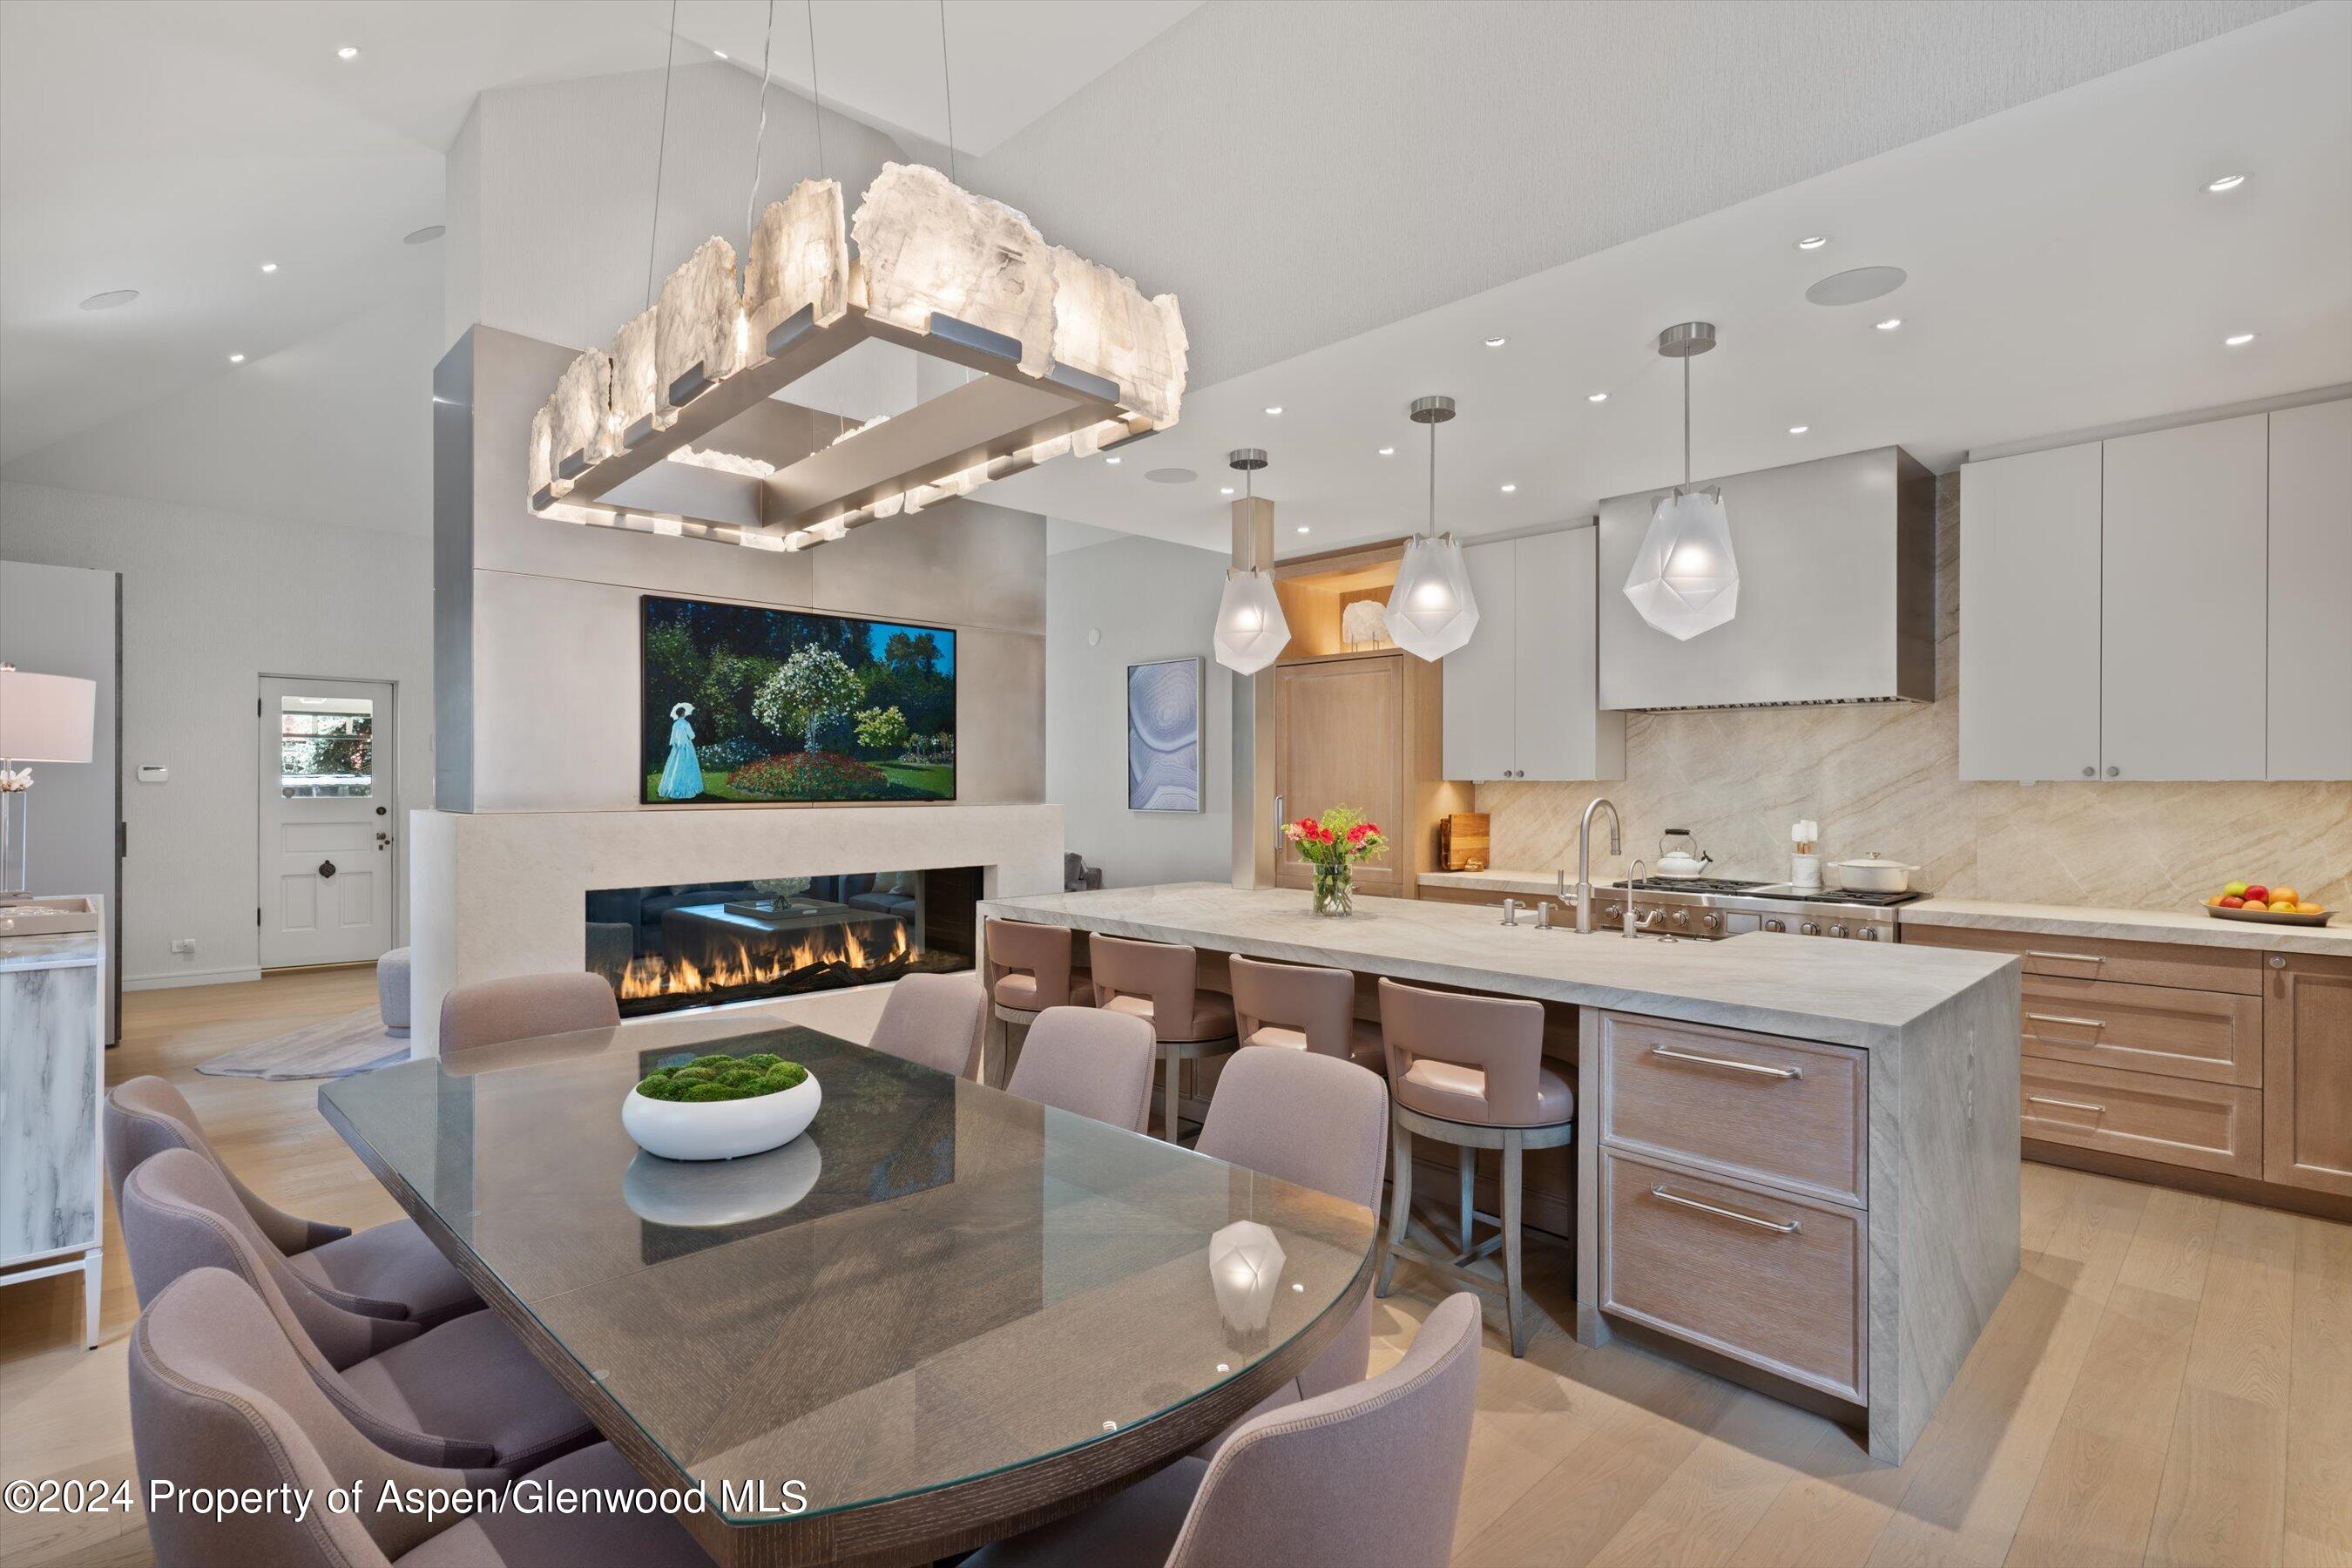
point(1479, 721)
point(2184, 613)
point(325, 752)
point(2029, 606)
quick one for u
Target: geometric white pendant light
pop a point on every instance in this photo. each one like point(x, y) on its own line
point(1685, 576)
point(1432, 609)
point(1251, 631)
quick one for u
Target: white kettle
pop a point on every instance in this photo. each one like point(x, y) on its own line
point(1691, 861)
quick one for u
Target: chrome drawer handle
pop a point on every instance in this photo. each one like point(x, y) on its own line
point(1759, 1068)
point(2067, 1104)
point(2066, 957)
point(1778, 1226)
point(2063, 1018)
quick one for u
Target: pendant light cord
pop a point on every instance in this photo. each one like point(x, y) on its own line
point(817, 94)
point(1432, 479)
point(661, 152)
point(759, 141)
point(1686, 421)
point(947, 88)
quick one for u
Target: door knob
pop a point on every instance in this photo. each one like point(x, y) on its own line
point(326, 867)
point(2112, 770)
point(2090, 773)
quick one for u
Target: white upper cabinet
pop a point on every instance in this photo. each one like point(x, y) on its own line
point(2185, 581)
point(2311, 592)
point(2030, 615)
point(1522, 698)
point(2164, 606)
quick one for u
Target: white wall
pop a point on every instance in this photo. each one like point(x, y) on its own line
point(1150, 600)
point(212, 600)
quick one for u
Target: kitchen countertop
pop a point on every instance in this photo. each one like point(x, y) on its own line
point(72, 949)
point(2130, 925)
point(1846, 993)
point(1497, 881)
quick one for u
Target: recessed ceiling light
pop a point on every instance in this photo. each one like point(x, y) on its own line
point(237, 359)
point(112, 299)
point(269, 266)
point(1496, 343)
point(1508, 489)
point(1114, 462)
point(1274, 408)
point(1889, 324)
point(1224, 490)
point(1799, 429)
point(348, 52)
point(1388, 451)
point(2238, 339)
point(425, 236)
point(720, 53)
point(1302, 528)
point(1596, 397)
point(2226, 183)
point(1812, 242)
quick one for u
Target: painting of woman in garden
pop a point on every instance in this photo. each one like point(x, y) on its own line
point(747, 703)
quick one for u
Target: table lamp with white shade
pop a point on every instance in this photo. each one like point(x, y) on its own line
point(43, 719)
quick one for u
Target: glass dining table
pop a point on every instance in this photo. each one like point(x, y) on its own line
point(941, 1315)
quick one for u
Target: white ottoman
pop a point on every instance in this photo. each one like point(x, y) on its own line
point(392, 990)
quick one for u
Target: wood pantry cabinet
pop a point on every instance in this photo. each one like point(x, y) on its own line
point(2307, 1073)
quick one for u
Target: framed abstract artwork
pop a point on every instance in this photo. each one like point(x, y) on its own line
point(1164, 702)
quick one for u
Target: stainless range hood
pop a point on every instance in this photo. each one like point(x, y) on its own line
point(1837, 593)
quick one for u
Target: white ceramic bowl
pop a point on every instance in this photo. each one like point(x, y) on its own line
point(720, 1128)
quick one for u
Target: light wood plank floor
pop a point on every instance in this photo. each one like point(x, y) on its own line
point(2168, 1381)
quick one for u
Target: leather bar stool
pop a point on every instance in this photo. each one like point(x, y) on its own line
point(1302, 1007)
point(1027, 968)
point(1468, 1070)
point(1159, 982)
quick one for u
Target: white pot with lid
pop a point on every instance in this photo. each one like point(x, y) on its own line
point(1874, 873)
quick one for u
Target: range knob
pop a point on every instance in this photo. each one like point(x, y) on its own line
point(1869, 934)
point(1837, 930)
point(1810, 928)
point(1769, 925)
point(1710, 921)
point(1681, 917)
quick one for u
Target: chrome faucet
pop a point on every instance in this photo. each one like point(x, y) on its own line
point(1584, 860)
point(1636, 922)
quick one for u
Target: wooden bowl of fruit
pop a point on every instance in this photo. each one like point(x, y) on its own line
point(2258, 901)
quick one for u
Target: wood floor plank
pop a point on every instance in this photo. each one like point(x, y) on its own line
point(1701, 1513)
point(2174, 1245)
point(2318, 1524)
point(1832, 1510)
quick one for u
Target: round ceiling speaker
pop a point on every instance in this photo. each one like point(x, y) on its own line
point(1851, 288)
point(1170, 476)
point(109, 300)
point(425, 236)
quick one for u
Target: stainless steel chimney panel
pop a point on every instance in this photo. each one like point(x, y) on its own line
point(1837, 595)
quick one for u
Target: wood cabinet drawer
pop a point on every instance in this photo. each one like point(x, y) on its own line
point(2174, 1121)
point(2215, 1036)
point(1754, 1107)
point(1772, 1281)
point(2181, 965)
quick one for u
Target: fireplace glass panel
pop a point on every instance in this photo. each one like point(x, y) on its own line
point(697, 944)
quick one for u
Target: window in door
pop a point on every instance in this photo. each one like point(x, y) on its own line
point(326, 747)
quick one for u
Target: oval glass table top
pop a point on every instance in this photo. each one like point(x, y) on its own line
point(935, 1282)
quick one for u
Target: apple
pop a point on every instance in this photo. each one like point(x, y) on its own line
point(2233, 902)
point(2236, 890)
point(2256, 894)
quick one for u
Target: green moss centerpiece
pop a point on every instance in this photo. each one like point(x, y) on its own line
point(719, 1107)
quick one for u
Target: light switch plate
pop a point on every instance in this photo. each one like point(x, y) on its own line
point(150, 773)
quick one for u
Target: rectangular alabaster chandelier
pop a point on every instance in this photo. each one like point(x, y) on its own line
point(1075, 360)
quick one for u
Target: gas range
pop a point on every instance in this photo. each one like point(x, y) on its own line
point(1709, 908)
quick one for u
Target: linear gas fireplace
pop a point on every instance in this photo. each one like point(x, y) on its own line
point(699, 944)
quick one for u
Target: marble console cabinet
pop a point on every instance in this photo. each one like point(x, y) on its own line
point(1892, 1144)
point(52, 1074)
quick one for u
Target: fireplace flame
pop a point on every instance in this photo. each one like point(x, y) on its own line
point(656, 976)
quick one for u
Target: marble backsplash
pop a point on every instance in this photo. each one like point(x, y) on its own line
point(1886, 778)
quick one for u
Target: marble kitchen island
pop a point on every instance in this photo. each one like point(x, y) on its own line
point(1845, 1117)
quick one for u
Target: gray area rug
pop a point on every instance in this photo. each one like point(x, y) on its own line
point(332, 1048)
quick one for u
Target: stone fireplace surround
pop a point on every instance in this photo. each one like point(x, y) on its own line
point(494, 894)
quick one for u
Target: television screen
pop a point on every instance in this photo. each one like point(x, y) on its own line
point(746, 703)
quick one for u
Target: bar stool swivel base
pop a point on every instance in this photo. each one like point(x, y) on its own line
point(1513, 1142)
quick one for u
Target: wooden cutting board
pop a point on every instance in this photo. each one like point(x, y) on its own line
point(1461, 841)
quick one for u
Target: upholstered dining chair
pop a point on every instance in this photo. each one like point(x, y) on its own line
point(1093, 1063)
point(391, 1270)
point(1027, 969)
point(1159, 982)
point(1468, 1070)
point(1302, 1007)
point(220, 1398)
point(1369, 1476)
point(492, 1012)
point(465, 1395)
point(938, 1020)
point(1319, 1122)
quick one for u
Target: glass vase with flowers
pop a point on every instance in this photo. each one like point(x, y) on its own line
point(1332, 844)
